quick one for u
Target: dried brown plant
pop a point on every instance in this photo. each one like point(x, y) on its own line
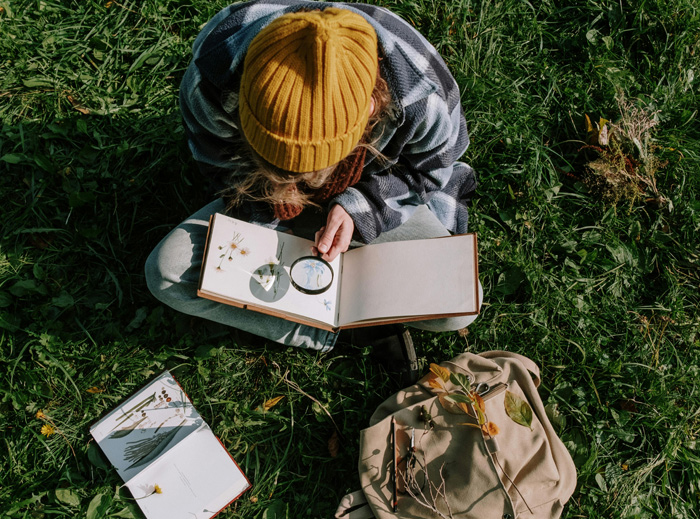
point(624, 169)
point(433, 498)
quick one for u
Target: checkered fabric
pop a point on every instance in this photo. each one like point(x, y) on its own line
point(421, 141)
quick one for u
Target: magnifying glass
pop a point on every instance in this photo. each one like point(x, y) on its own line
point(311, 275)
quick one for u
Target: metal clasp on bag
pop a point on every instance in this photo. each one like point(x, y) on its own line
point(487, 391)
point(481, 388)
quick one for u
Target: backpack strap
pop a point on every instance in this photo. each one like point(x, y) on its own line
point(354, 506)
point(527, 363)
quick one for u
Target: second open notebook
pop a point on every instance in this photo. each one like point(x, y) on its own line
point(168, 457)
point(248, 266)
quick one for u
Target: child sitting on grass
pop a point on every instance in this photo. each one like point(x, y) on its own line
point(337, 122)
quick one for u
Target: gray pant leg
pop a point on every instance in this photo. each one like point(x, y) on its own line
point(172, 275)
point(173, 268)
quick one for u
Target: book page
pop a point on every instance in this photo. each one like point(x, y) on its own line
point(250, 265)
point(197, 479)
point(410, 278)
point(146, 426)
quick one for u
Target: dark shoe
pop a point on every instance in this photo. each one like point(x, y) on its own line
point(392, 347)
point(247, 339)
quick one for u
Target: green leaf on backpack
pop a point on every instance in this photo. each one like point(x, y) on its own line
point(518, 410)
point(456, 397)
point(458, 379)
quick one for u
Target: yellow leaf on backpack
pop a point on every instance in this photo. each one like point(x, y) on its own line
point(490, 429)
point(479, 402)
point(466, 408)
point(450, 405)
point(441, 372)
point(434, 382)
point(272, 402)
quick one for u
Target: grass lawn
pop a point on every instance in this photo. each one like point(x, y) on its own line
point(600, 287)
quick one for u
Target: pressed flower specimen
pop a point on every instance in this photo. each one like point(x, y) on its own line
point(156, 490)
point(270, 273)
point(142, 451)
point(231, 248)
point(314, 272)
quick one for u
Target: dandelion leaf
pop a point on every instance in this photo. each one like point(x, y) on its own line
point(67, 497)
point(98, 506)
point(518, 410)
point(96, 458)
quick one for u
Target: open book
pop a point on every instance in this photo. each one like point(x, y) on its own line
point(167, 455)
point(253, 267)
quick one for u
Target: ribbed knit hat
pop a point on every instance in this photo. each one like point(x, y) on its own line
point(306, 88)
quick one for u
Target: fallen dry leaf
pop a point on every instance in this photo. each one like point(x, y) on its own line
point(272, 402)
point(77, 105)
point(40, 241)
point(334, 444)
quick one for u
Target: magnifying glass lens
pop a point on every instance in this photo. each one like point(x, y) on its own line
point(311, 275)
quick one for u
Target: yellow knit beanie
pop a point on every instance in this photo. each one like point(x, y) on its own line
point(306, 88)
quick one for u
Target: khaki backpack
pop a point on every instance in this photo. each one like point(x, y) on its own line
point(429, 453)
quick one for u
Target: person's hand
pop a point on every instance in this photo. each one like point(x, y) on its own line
point(335, 237)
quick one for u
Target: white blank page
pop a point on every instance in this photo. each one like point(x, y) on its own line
point(410, 278)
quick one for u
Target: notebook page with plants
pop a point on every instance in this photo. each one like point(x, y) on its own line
point(249, 265)
point(168, 457)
